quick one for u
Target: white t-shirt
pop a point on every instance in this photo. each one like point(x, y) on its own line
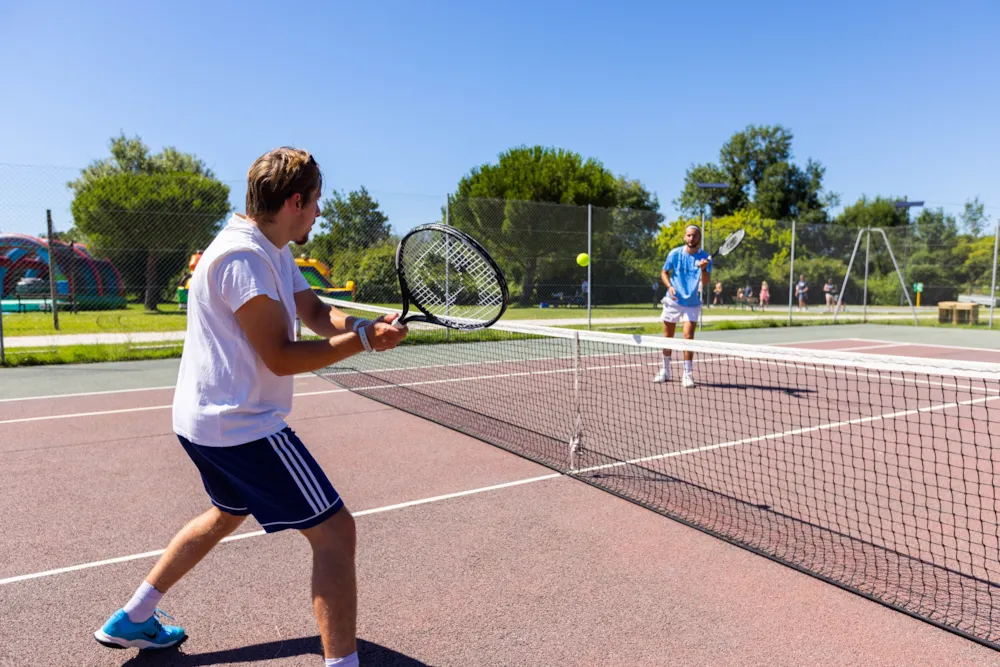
point(225, 395)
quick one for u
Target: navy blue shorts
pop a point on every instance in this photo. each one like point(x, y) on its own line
point(275, 479)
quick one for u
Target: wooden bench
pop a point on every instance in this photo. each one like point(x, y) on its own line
point(957, 312)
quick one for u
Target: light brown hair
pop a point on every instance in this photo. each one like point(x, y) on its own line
point(277, 175)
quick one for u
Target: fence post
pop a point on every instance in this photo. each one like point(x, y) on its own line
point(993, 282)
point(590, 263)
point(447, 265)
point(3, 354)
point(864, 298)
point(52, 269)
point(791, 276)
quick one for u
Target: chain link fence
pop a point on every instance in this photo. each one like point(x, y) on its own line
point(115, 257)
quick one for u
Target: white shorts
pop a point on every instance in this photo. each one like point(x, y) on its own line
point(674, 312)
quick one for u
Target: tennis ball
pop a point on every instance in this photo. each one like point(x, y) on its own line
point(583, 259)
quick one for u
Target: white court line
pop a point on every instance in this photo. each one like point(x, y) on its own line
point(950, 347)
point(122, 411)
point(865, 347)
point(785, 434)
point(530, 480)
point(84, 393)
point(107, 392)
point(818, 340)
point(258, 533)
point(420, 383)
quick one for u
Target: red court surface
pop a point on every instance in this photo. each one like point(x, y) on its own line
point(468, 555)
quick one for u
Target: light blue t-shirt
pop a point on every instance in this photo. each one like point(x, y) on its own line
point(685, 275)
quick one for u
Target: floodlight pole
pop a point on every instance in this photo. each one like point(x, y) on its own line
point(906, 206)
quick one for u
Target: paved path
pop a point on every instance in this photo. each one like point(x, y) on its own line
point(154, 337)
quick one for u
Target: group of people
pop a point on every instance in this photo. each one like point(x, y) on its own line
point(744, 296)
point(830, 292)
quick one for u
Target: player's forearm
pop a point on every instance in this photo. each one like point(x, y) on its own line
point(665, 278)
point(304, 356)
point(330, 322)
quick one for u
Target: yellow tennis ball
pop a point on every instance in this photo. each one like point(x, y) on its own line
point(583, 259)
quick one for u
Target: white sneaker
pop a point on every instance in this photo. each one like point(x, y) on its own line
point(687, 381)
point(663, 375)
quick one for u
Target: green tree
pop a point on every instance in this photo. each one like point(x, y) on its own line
point(932, 258)
point(147, 213)
point(512, 208)
point(354, 221)
point(130, 155)
point(974, 217)
point(756, 163)
point(353, 230)
point(878, 212)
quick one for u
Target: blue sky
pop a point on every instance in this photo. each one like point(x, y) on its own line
point(894, 98)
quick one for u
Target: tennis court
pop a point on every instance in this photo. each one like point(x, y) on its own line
point(878, 476)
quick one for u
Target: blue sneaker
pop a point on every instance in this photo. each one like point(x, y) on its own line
point(120, 632)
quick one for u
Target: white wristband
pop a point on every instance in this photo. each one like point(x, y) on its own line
point(364, 339)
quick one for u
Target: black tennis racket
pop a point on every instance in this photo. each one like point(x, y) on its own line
point(450, 278)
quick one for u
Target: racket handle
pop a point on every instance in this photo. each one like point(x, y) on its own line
point(396, 322)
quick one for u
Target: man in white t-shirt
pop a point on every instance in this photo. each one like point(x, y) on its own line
point(234, 390)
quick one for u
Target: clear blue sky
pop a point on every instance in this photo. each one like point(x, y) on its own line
point(902, 98)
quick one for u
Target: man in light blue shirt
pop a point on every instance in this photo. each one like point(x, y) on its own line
point(685, 270)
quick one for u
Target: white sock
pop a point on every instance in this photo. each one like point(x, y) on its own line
point(666, 364)
point(347, 661)
point(687, 366)
point(143, 603)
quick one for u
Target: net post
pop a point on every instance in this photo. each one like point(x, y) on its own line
point(916, 321)
point(574, 441)
point(791, 276)
point(447, 266)
point(52, 269)
point(590, 262)
point(840, 297)
point(993, 282)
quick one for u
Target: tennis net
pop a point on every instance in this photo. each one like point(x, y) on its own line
point(877, 474)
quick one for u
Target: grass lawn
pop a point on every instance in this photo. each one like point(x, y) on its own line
point(132, 319)
point(86, 354)
point(169, 318)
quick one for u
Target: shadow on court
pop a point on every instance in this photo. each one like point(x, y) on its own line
point(368, 654)
point(797, 392)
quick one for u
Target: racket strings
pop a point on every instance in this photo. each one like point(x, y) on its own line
point(451, 279)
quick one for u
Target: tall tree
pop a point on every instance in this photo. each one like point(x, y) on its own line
point(878, 212)
point(509, 205)
point(757, 166)
point(974, 217)
point(146, 212)
point(354, 220)
point(354, 237)
point(131, 155)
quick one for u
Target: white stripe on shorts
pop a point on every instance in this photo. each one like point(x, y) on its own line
point(291, 466)
point(315, 484)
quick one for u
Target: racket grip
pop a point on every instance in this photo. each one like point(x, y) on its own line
point(396, 322)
